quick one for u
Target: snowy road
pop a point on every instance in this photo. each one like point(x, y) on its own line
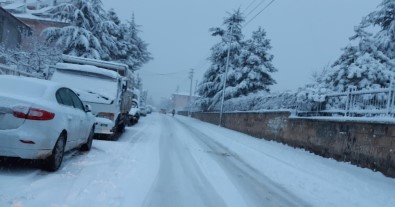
point(178, 161)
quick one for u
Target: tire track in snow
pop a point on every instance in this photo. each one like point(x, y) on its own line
point(256, 188)
point(180, 181)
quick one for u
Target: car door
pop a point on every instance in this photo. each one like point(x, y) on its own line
point(71, 115)
point(83, 126)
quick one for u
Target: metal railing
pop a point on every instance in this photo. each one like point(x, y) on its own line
point(354, 103)
point(9, 70)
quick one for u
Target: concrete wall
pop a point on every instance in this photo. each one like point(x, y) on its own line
point(370, 145)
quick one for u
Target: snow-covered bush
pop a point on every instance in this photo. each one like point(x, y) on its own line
point(258, 101)
point(33, 58)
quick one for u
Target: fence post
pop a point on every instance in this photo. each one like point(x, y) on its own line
point(348, 100)
point(391, 97)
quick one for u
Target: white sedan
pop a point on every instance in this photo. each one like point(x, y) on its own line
point(40, 119)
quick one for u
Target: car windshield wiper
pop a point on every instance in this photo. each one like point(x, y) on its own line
point(101, 96)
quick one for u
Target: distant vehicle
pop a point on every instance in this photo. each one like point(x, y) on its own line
point(163, 111)
point(143, 111)
point(41, 119)
point(104, 90)
point(149, 109)
point(134, 113)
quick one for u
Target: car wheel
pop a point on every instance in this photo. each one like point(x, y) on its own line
point(88, 145)
point(53, 162)
point(120, 128)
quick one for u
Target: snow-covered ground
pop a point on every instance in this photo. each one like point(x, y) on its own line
point(178, 161)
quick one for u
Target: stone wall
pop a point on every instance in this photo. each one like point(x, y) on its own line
point(370, 145)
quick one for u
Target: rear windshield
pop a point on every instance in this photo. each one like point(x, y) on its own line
point(22, 88)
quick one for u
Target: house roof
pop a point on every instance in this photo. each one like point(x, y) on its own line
point(15, 18)
point(14, 6)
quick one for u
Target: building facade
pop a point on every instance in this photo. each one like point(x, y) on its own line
point(12, 30)
point(182, 101)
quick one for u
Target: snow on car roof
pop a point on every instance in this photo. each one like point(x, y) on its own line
point(79, 78)
point(87, 68)
point(31, 87)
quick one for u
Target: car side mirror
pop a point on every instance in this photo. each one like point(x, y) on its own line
point(88, 108)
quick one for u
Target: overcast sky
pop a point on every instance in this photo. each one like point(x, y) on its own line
point(306, 35)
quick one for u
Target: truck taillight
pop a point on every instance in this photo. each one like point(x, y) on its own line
point(106, 115)
point(25, 112)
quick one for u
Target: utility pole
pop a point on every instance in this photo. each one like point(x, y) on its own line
point(225, 75)
point(190, 93)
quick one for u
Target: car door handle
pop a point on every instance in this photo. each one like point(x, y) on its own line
point(69, 117)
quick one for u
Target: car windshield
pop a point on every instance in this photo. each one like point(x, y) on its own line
point(90, 82)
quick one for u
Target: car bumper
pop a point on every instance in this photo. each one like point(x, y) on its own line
point(103, 126)
point(11, 144)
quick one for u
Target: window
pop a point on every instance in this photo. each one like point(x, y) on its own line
point(58, 98)
point(63, 97)
point(77, 102)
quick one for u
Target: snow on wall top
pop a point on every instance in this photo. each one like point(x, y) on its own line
point(33, 17)
point(87, 68)
point(13, 6)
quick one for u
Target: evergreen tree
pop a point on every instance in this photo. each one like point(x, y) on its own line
point(384, 18)
point(363, 66)
point(78, 38)
point(136, 52)
point(112, 15)
point(256, 65)
point(95, 33)
point(249, 64)
point(210, 89)
point(366, 63)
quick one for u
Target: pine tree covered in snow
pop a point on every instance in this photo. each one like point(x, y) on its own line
point(135, 49)
point(112, 15)
point(78, 38)
point(371, 62)
point(249, 64)
point(256, 64)
point(368, 62)
point(363, 66)
point(95, 33)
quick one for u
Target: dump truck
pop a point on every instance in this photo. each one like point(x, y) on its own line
point(101, 84)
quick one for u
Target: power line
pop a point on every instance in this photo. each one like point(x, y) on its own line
point(259, 13)
point(164, 74)
point(205, 62)
point(249, 5)
point(256, 7)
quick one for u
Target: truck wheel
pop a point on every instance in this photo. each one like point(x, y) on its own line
point(53, 162)
point(121, 128)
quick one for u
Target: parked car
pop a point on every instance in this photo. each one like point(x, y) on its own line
point(41, 119)
point(134, 113)
point(143, 111)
